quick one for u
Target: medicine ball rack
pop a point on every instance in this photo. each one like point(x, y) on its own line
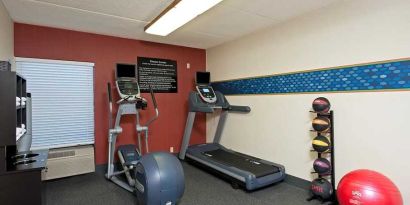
point(330, 132)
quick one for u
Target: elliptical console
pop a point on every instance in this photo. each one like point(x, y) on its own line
point(127, 83)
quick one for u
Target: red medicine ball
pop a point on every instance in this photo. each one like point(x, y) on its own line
point(366, 187)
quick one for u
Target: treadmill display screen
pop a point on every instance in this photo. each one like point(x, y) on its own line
point(203, 78)
point(206, 90)
point(126, 71)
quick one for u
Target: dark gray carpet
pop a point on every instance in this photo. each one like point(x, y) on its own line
point(201, 188)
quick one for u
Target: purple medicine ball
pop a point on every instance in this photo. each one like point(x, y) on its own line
point(322, 166)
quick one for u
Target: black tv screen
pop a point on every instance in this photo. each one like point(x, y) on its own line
point(126, 71)
point(203, 78)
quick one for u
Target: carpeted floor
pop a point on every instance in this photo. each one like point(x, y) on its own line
point(201, 188)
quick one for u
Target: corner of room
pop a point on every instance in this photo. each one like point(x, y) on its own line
point(167, 102)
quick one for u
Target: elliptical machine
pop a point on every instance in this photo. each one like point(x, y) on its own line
point(156, 178)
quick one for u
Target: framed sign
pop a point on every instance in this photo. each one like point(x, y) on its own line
point(161, 74)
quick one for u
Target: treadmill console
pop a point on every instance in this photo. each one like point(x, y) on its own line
point(127, 82)
point(205, 91)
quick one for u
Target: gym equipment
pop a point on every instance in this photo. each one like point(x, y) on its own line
point(322, 166)
point(321, 105)
point(321, 188)
point(162, 176)
point(367, 187)
point(242, 170)
point(156, 178)
point(321, 124)
point(205, 91)
point(321, 143)
point(127, 85)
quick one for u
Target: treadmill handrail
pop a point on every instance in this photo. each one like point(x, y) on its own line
point(239, 108)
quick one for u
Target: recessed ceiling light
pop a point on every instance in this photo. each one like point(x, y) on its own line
point(177, 14)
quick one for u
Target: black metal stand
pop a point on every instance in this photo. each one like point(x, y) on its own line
point(333, 199)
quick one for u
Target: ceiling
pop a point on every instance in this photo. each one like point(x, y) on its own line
point(227, 21)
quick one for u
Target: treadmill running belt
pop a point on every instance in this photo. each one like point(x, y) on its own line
point(242, 162)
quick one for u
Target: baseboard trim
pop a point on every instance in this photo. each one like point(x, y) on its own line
point(101, 169)
point(298, 182)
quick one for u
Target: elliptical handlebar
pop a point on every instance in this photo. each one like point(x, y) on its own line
point(153, 97)
point(110, 105)
point(109, 92)
point(154, 101)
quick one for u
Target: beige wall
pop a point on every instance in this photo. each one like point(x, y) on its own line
point(6, 35)
point(372, 129)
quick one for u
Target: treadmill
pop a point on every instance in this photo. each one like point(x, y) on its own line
point(240, 169)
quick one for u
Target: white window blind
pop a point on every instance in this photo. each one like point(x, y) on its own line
point(62, 101)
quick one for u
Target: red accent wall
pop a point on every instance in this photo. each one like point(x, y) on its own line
point(105, 51)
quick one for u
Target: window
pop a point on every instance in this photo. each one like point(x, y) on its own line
point(62, 101)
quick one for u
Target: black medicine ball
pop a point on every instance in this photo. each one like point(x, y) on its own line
point(320, 143)
point(322, 166)
point(322, 188)
point(321, 105)
point(321, 124)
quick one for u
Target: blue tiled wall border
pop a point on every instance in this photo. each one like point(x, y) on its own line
point(376, 76)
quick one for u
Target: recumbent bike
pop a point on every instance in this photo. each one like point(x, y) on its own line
point(156, 178)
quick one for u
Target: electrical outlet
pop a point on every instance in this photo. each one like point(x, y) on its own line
point(171, 149)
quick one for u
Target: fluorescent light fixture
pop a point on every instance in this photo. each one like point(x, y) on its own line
point(177, 14)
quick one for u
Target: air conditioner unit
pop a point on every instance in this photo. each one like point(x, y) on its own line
point(64, 162)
